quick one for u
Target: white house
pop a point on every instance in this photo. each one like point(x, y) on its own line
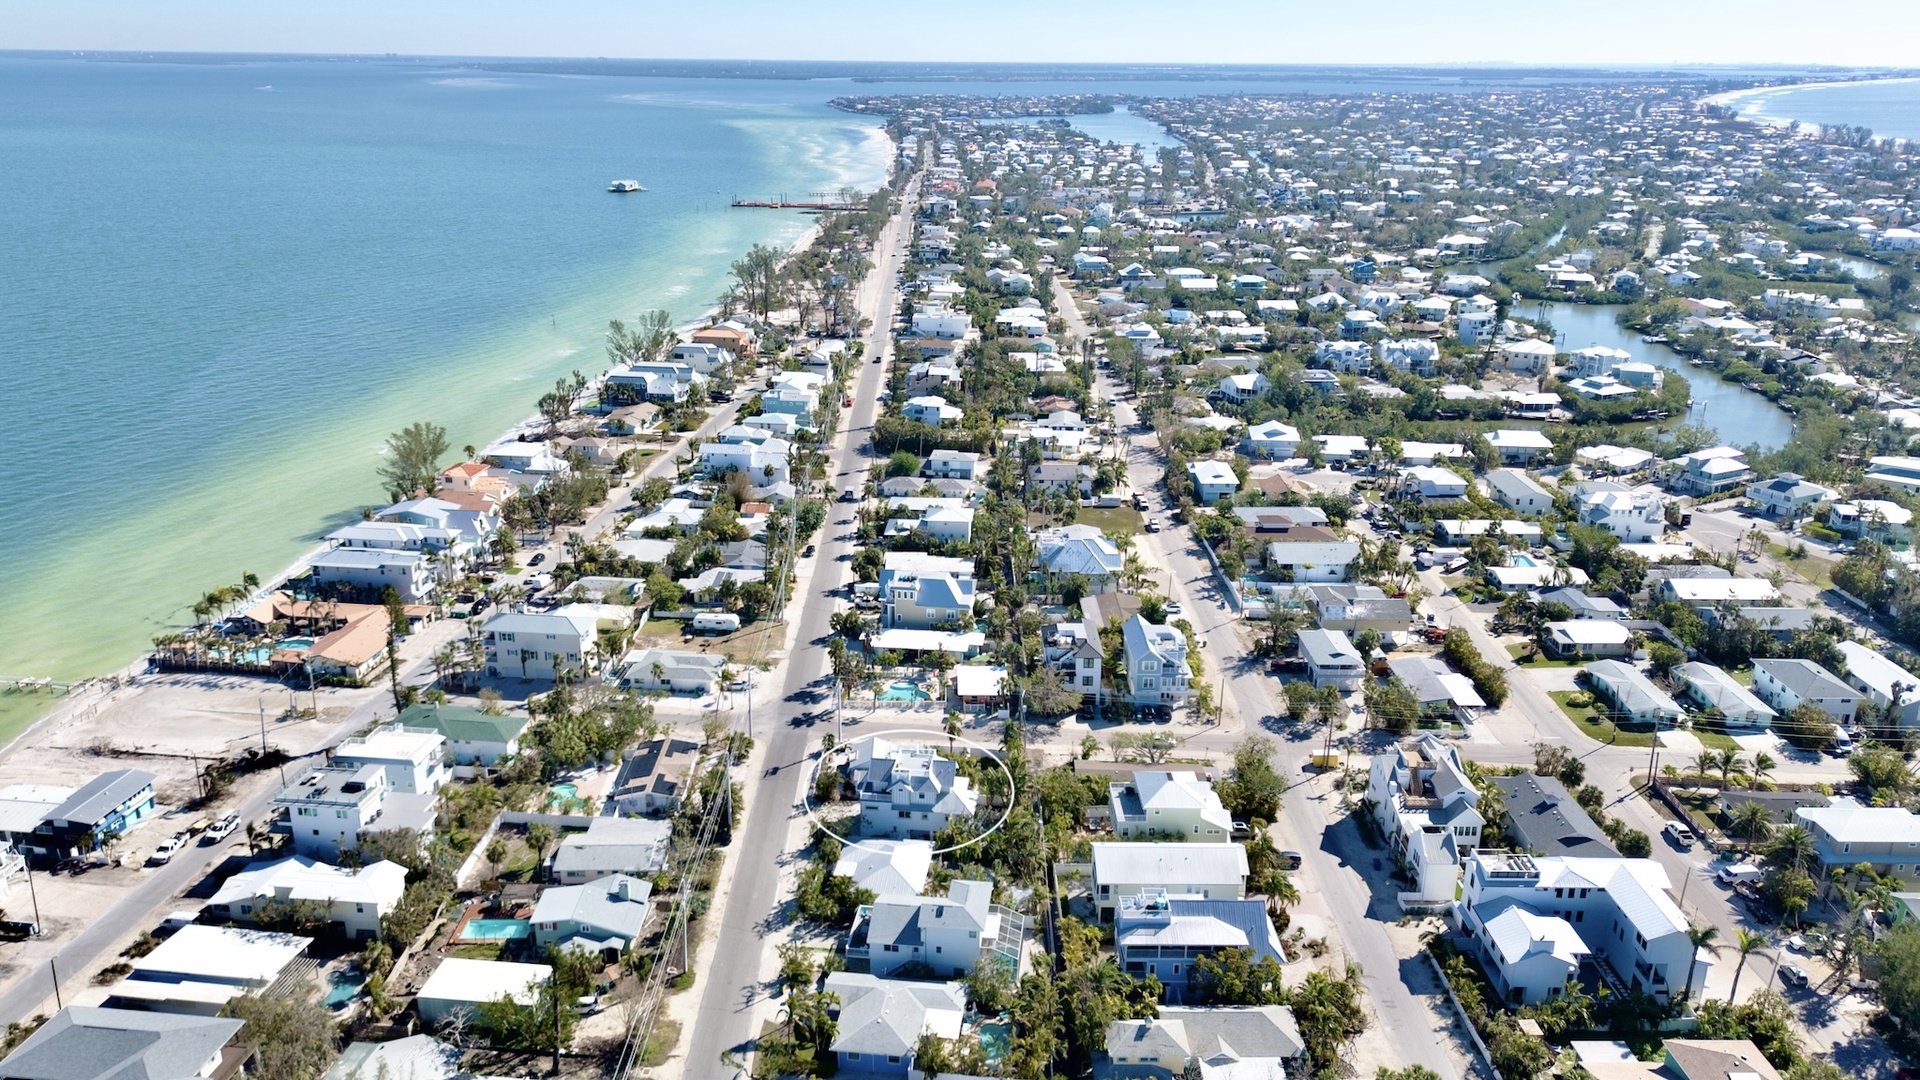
point(1632, 696)
point(371, 571)
point(1213, 871)
point(1160, 802)
point(332, 808)
point(1518, 446)
point(758, 455)
point(907, 792)
point(1344, 356)
point(1156, 658)
point(1712, 688)
point(932, 411)
point(947, 933)
point(1788, 495)
point(1635, 517)
point(1618, 909)
point(1274, 440)
point(672, 671)
point(1331, 659)
point(1515, 490)
point(1892, 687)
point(473, 736)
point(884, 867)
point(1260, 1042)
point(1312, 560)
point(1415, 355)
point(636, 847)
point(458, 987)
point(1588, 639)
point(1787, 684)
point(1431, 484)
point(1428, 807)
point(1243, 386)
point(414, 758)
point(1212, 480)
point(1846, 834)
point(536, 644)
point(355, 899)
point(953, 465)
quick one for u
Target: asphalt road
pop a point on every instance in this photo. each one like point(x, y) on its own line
point(753, 904)
point(1333, 856)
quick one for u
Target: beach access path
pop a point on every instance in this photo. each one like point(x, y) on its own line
point(736, 963)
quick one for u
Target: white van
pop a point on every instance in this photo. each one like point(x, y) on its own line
point(1735, 873)
point(715, 622)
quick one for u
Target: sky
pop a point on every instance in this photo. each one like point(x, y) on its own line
point(1864, 33)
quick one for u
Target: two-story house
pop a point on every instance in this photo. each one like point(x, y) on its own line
point(923, 592)
point(948, 934)
point(1214, 871)
point(1786, 684)
point(332, 809)
point(1158, 802)
point(907, 792)
point(536, 644)
point(1156, 663)
point(414, 758)
point(1846, 834)
point(1533, 919)
point(1428, 807)
point(1161, 934)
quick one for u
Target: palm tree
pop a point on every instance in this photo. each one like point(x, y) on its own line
point(539, 835)
point(1746, 941)
point(1730, 763)
point(1701, 937)
point(1793, 847)
point(1752, 822)
point(951, 724)
point(1763, 764)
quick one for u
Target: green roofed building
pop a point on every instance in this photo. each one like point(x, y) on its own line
point(473, 737)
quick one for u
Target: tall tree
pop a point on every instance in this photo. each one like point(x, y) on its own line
point(296, 1036)
point(413, 458)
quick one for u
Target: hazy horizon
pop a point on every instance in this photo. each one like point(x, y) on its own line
point(1633, 33)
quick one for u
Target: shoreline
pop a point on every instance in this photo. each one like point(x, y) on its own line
point(97, 688)
point(1733, 99)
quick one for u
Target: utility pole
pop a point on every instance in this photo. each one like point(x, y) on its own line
point(35, 895)
point(54, 970)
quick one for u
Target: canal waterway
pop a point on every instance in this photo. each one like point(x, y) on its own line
point(1742, 417)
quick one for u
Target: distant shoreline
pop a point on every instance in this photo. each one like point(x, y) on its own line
point(1733, 99)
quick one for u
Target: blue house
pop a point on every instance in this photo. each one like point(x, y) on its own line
point(108, 805)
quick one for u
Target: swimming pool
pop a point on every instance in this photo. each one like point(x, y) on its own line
point(1520, 560)
point(996, 1036)
point(562, 794)
point(342, 987)
point(294, 643)
point(496, 930)
point(902, 691)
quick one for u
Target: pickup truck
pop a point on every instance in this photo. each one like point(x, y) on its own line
point(168, 848)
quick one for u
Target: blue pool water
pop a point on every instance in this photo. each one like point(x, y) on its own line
point(903, 692)
point(562, 794)
point(995, 1038)
point(294, 643)
point(1520, 560)
point(496, 930)
point(342, 987)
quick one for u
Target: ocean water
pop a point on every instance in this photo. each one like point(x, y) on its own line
point(1891, 107)
point(224, 283)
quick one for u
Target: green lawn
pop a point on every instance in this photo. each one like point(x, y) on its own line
point(1538, 660)
point(1598, 727)
point(1111, 520)
point(1714, 740)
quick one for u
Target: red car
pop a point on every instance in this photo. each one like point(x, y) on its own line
point(846, 403)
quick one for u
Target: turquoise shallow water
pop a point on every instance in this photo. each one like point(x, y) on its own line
point(225, 283)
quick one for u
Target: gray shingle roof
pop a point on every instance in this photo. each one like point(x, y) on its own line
point(86, 1043)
